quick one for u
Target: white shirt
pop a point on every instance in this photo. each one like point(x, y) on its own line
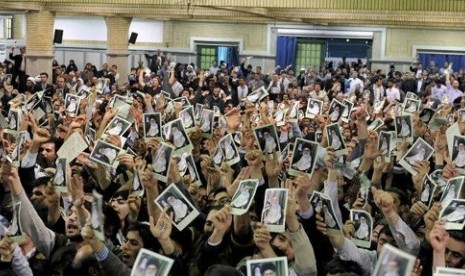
point(392, 94)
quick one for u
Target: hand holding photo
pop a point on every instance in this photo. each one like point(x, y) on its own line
point(411, 106)
point(363, 224)
point(314, 107)
point(161, 161)
point(267, 139)
point(336, 109)
point(453, 213)
point(419, 151)
point(268, 267)
point(453, 189)
point(303, 157)
point(335, 139)
point(274, 210)
point(182, 209)
point(117, 126)
point(72, 103)
point(152, 125)
point(230, 152)
point(175, 133)
point(427, 194)
point(403, 126)
point(393, 261)
point(458, 154)
point(243, 196)
point(104, 153)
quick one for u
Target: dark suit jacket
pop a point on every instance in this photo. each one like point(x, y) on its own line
point(17, 59)
point(48, 89)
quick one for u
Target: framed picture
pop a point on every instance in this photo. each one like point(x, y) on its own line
point(206, 122)
point(230, 152)
point(303, 157)
point(59, 180)
point(403, 126)
point(151, 263)
point(161, 161)
point(363, 224)
point(243, 196)
point(104, 153)
point(393, 261)
point(177, 204)
point(267, 139)
point(270, 266)
point(274, 209)
point(152, 125)
point(419, 151)
point(175, 133)
point(336, 109)
point(72, 103)
point(453, 213)
point(314, 107)
point(187, 117)
point(335, 139)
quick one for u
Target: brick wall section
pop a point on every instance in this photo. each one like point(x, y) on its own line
point(39, 31)
point(117, 33)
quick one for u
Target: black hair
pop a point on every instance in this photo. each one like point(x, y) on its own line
point(402, 195)
point(337, 266)
point(112, 222)
point(269, 266)
point(219, 190)
point(457, 235)
point(144, 232)
point(44, 73)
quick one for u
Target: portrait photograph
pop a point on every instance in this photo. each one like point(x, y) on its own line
point(175, 133)
point(187, 117)
point(117, 126)
point(438, 179)
point(206, 122)
point(279, 117)
point(243, 196)
point(458, 154)
point(191, 170)
point(336, 109)
point(428, 191)
point(363, 225)
point(327, 212)
point(267, 139)
point(303, 157)
point(72, 104)
point(384, 144)
point(137, 188)
point(33, 102)
point(183, 101)
point(59, 180)
point(274, 209)
point(14, 118)
point(335, 139)
point(104, 153)
point(218, 156)
point(393, 261)
point(418, 152)
point(149, 263)
point(197, 111)
point(161, 161)
point(411, 106)
point(403, 126)
point(293, 114)
point(15, 230)
point(426, 115)
point(268, 267)
point(230, 151)
point(177, 204)
point(376, 124)
point(152, 125)
point(314, 107)
point(97, 216)
point(453, 189)
point(347, 110)
point(453, 213)
point(257, 95)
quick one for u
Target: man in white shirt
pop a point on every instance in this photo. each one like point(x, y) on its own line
point(438, 90)
point(355, 83)
point(392, 93)
point(453, 90)
point(242, 89)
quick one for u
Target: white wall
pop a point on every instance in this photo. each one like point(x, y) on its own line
point(148, 30)
point(82, 28)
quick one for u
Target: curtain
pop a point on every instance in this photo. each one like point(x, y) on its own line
point(286, 49)
point(458, 61)
point(230, 55)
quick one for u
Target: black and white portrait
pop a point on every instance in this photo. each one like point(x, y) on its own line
point(394, 262)
point(267, 139)
point(411, 106)
point(384, 144)
point(303, 157)
point(336, 109)
point(152, 125)
point(15, 230)
point(161, 161)
point(177, 204)
point(206, 122)
point(274, 209)
point(268, 267)
point(314, 107)
point(427, 193)
point(14, 118)
point(419, 151)
point(59, 180)
point(104, 153)
point(187, 117)
point(335, 139)
point(426, 115)
point(149, 263)
point(243, 196)
point(403, 125)
point(117, 126)
point(347, 110)
point(363, 225)
point(453, 214)
point(72, 104)
point(175, 133)
point(230, 152)
point(376, 124)
point(458, 153)
point(453, 189)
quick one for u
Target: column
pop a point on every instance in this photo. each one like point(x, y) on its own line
point(117, 45)
point(39, 43)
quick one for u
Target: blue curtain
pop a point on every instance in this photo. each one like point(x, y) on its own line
point(286, 50)
point(457, 60)
point(230, 55)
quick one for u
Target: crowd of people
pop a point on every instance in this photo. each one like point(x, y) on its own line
point(230, 170)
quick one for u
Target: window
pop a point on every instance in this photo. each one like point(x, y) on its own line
point(310, 54)
point(7, 23)
point(206, 55)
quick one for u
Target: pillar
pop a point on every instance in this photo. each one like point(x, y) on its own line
point(117, 45)
point(39, 42)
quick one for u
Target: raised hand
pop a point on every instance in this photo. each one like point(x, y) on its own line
point(161, 230)
point(439, 237)
point(383, 200)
